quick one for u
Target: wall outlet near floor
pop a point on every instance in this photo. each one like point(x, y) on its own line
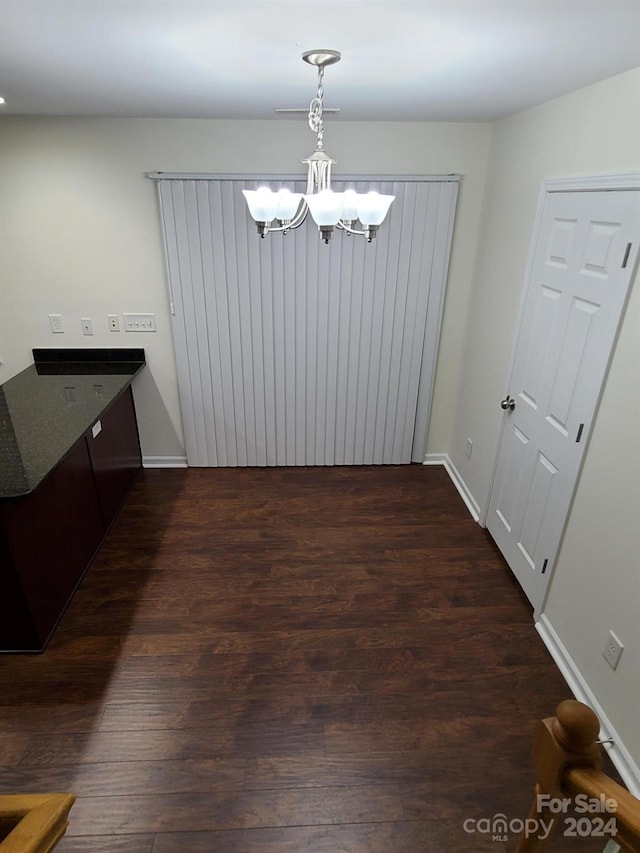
point(113, 322)
point(469, 448)
point(55, 324)
point(87, 325)
point(140, 323)
point(612, 650)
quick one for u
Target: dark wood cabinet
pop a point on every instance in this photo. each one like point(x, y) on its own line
point(49, 536)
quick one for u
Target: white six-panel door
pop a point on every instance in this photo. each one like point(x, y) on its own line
point(584, 257)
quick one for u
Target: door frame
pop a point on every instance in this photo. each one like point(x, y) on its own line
point(587, 183)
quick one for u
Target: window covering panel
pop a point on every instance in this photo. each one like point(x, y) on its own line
point(293, 352)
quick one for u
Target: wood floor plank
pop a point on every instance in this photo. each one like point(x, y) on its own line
point(298, 659)
point(270, 738)
point(401, 837)
point(109, 844)
point(205, 711)
point(121, 778)
point(236, 810)
point(404, 634)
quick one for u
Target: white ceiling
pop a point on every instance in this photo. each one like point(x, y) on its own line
point(411, 60)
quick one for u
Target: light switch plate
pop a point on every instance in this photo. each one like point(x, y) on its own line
point(140, 323)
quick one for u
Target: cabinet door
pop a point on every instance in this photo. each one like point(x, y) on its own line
point(115, 455)
point(50, 537)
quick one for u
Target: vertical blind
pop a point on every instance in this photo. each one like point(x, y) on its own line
point(293, 352)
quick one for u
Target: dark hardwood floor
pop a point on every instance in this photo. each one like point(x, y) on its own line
point(286, 660)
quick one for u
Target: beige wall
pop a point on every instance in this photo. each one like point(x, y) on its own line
point(81, 234)
point(596, 585)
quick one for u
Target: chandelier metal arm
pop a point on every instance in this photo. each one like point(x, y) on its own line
point(369, 233)
point(344, 227)
point(296, 222)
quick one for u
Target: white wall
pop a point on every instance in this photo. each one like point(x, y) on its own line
point(596, 584)
point(81, 234)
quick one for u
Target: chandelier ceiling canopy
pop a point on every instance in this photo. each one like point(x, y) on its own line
point(328, 209)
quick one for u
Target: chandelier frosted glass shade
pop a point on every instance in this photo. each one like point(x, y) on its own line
point(328, 209)
point(325, 207)
point(372, 208)
point(266, 205)
point(263, 204)
point(288, 204)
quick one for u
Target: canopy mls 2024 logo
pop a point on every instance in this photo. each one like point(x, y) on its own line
point(592, 817)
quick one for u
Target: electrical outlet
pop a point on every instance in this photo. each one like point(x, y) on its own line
point(113, 321)
point(612, 650)
point(469, 448)
point(140, 323)
point(87, 325)
point(55, 324)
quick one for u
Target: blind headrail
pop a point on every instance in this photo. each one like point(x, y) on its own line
point(244, 176)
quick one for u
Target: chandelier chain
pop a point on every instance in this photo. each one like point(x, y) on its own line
point(315, 112)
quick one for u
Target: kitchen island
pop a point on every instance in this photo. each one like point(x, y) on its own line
point(69, 452)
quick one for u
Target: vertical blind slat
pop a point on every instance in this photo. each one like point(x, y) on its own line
point(208, 218)
point(232, 283)
point(258, 286)
point(386, 343)
point(333, 353)
point(191, 394)
point(245, 284)
point(199, 362)
point(224, 403)
point(401, 339)
point(200, 249)
point(311, 349)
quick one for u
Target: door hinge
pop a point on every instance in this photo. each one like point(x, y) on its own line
point(544, 566)
point(579, 435)
point(626, 255)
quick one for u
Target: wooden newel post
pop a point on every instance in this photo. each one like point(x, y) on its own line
point(567, 740)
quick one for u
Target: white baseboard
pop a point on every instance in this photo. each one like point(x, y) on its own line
point(456, 479)
point(164, 462)
point(618, 753)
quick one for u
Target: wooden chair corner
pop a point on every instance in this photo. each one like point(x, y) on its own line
point(33, 823)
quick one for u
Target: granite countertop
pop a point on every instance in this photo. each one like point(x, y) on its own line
point(47, 408)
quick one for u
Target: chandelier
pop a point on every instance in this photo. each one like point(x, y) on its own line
point(329, 209)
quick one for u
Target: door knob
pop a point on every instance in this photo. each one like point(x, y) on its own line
point(508, 403)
